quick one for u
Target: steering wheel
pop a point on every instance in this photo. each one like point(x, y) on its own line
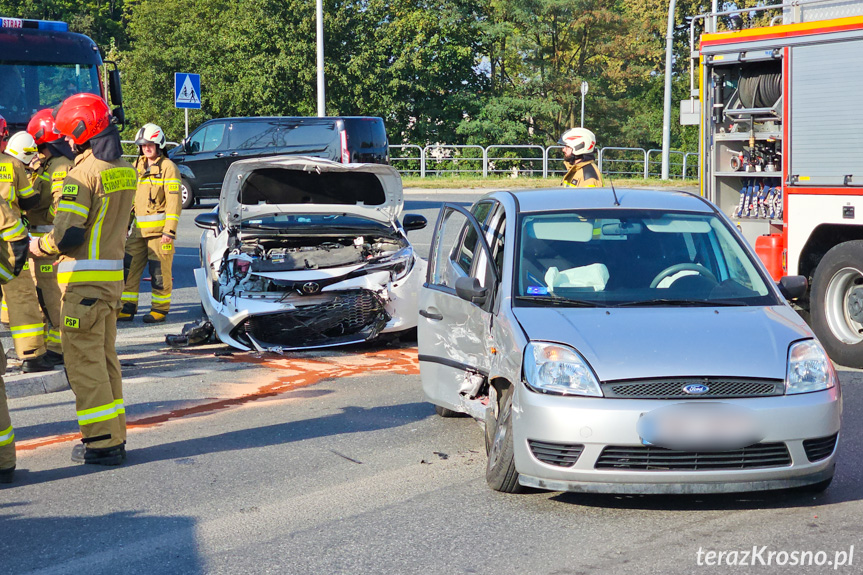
point(671, 270)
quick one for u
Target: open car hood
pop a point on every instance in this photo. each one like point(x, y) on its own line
point(301, 184)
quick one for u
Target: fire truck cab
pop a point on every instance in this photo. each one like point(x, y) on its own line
point(41, 63)
point(781, 149)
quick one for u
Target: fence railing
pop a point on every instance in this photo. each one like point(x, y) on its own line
point(532, 161)
point(518, 161)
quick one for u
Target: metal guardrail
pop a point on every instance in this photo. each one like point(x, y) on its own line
point(449, 158)
point(442, 159)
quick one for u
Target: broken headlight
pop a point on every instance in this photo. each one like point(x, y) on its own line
point(399, 263)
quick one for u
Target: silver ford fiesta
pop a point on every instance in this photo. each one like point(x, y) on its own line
point(623, 342)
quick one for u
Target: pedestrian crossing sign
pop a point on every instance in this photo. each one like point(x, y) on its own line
point(187, 90)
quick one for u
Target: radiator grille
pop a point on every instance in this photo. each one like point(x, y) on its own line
point(350, 315)
point(674, 388)
point(642, 458)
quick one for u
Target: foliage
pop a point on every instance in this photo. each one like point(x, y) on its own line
point(438, 71)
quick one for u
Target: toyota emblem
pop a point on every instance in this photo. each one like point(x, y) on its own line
point(310, 288)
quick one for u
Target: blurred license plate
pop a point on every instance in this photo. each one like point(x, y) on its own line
point(708, 426)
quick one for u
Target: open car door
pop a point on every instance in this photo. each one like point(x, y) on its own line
point(453, 333)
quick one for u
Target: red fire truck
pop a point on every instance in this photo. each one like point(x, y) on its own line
point(782, 149)
point(41, 63)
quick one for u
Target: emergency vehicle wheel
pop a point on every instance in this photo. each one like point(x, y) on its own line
point(187, 194)
point(836, 303)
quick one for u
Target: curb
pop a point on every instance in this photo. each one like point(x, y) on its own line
point(24, 384)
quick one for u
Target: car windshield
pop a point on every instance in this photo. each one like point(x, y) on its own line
point(27, 88)
point(636, 258)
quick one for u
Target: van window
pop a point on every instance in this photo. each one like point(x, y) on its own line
point(210, 138)
point(315, 136)
point(367, 140)
point(251, 135)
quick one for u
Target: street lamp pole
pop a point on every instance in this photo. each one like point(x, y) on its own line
point(666, 114)
point(320, 33)
point(583, 94)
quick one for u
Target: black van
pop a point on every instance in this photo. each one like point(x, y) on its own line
point(204, 157)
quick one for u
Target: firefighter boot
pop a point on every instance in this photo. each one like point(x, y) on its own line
point(7, 475)
point(127, 312)
point(37, 364)
point(154, 317)
point(99, 456)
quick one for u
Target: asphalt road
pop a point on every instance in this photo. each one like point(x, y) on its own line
point(332, 462)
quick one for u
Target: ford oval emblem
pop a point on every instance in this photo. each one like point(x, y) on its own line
point(310, 288)
point(695, 389)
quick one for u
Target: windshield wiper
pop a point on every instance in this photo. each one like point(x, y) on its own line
point(556, 300)
point(680, 302)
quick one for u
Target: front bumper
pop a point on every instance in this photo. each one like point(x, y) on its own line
point(590, 425)
point(343, 313)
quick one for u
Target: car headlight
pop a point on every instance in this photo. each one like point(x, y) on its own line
point(555, 368)
point(809, 368)
point(399, 264)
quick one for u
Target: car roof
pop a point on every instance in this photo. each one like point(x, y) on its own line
point(554, 199)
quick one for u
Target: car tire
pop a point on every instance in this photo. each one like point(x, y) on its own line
point(187, 193)
point(500, 470)
point(444, 412)
point(839, 274)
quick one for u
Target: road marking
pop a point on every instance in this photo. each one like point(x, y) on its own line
point(304, 372)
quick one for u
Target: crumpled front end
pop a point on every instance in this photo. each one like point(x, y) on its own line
point(280, 311)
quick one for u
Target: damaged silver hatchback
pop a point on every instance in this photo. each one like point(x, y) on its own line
point(304, 253)
point(628, 343)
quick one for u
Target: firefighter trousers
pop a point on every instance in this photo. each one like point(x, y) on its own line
point(44, 273)
point(7, 434)
point(159, 257)
point(25, 316)
point(89, 332)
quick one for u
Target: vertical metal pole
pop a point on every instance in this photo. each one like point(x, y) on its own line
point(187, 121)
point(666, 114)
point(582, 109)
point(320, 30)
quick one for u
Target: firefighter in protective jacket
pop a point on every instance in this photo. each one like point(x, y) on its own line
point(8, 267)
point(89, 234)
point(25, 314)
point(54, 162)
point(578, 147)
point(157, 214)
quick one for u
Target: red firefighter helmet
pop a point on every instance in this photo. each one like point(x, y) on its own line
point(41, 127)
point(4, 133)
point(81, 117)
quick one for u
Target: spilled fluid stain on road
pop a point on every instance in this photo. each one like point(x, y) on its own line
point(302, 372)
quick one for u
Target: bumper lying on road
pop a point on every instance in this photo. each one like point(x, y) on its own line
point(592, 445)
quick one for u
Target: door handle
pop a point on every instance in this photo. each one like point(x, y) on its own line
point(430, 315)
point(220, 155)
point(235, 153)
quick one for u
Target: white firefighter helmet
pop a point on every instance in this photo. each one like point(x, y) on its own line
point(150, 134)
point(581, 140)
point(22, 146)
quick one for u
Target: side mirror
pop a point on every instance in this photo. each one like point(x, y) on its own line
point(186, 146)
point(207, 221)
point(793, 287)
point(114, 88)
point(469, 289)
point(414, 222)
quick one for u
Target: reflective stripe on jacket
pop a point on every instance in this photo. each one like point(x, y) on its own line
point(13, 183)
point(48, 181)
